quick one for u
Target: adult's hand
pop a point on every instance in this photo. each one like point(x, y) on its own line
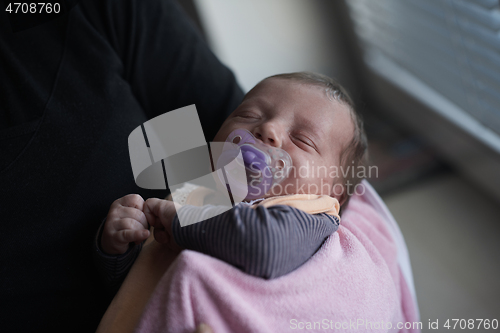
point(124, 312)
point(203, 328)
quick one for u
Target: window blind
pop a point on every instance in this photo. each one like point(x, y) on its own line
point(453, 46)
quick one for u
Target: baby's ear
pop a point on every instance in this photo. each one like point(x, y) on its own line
point(342, 199)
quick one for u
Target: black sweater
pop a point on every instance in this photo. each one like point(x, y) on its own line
point(71, 91)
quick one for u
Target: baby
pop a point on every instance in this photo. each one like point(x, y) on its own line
point(309, 116)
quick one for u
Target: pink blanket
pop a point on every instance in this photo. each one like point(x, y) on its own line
point(354, 283)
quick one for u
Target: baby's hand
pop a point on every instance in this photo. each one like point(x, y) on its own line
point(125, 223)
point(160, 214)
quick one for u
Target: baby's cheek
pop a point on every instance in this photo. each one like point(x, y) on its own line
point(286, 187)
point(292, 186)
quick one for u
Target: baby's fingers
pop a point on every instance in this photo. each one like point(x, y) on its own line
point(160, 213)
point(127, 213)
point(131, 235)
point(131, 200)
point(151, 209)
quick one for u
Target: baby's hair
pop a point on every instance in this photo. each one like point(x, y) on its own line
point(354, 154)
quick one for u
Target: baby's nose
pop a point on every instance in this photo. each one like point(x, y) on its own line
point(269, 136)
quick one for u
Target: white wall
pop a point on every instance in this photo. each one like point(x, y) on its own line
point(258, 38)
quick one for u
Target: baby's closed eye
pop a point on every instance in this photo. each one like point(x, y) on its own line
point(248, 114)
point(303, 142)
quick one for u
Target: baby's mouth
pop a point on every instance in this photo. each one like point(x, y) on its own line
point(265, 166)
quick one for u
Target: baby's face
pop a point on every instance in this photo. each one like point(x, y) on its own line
point(302, 120)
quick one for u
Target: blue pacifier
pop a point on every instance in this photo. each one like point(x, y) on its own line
point(265, 166)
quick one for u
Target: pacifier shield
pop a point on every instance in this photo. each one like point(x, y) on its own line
point(265, 165)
